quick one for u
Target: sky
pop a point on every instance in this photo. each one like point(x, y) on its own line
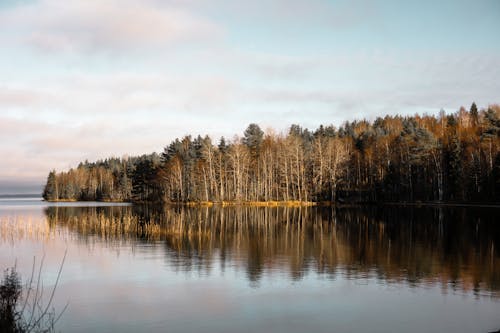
point(89, 79)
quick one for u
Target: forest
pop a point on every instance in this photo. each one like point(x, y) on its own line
point(421, 158)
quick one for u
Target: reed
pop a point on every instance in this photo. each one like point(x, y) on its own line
point(16, 228)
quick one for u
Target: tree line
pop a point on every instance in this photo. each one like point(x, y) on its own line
point(449, 157)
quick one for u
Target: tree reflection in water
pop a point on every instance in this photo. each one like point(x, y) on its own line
point(456, 248)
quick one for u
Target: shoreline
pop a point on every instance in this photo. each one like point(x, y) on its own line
point(293, 203)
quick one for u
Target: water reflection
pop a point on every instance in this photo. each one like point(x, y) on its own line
point(455, 248)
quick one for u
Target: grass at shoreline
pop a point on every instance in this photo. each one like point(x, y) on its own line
point(296, 203)
point(291, 203)
point(251, 203)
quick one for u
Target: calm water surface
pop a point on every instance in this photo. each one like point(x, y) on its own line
point(131, 268)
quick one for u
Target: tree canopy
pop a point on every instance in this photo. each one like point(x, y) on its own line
point(454, 157)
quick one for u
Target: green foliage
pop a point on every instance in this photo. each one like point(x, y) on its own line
point(492, 125)
point(144, 186)
point(474, 114)
point(50, 191)
point(253, 137)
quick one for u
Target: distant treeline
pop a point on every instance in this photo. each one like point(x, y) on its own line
point(453, 157)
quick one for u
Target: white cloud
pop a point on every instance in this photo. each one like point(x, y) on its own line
point(88, 95)
point(73, 118)
point(105, 25)
point(30, 148)
point(140, 73)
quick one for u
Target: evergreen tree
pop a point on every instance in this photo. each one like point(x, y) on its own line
point(450, 157)
point(474, 115)
point(223, 147)
point(493, 124)
point(144, 184)
point(50, 192)
point(253, 137)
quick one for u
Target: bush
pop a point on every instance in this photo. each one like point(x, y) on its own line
point(10, 291)
point(21, 308)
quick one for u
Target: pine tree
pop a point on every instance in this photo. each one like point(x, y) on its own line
point(253, 137)
point(474, 116)
point(50, 192)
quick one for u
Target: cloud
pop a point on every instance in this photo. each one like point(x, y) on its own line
point(374, 84)
point(107, 25)
point(280, 13)
point(73, 117)
point(97, 116)
point(30, 148)
point(84, 96)
point(128, 76)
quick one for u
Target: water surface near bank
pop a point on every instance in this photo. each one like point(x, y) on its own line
point(246, 269)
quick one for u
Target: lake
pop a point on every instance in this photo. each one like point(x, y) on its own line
point(255, 269)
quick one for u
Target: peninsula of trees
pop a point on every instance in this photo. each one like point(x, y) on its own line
point(448, 158)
